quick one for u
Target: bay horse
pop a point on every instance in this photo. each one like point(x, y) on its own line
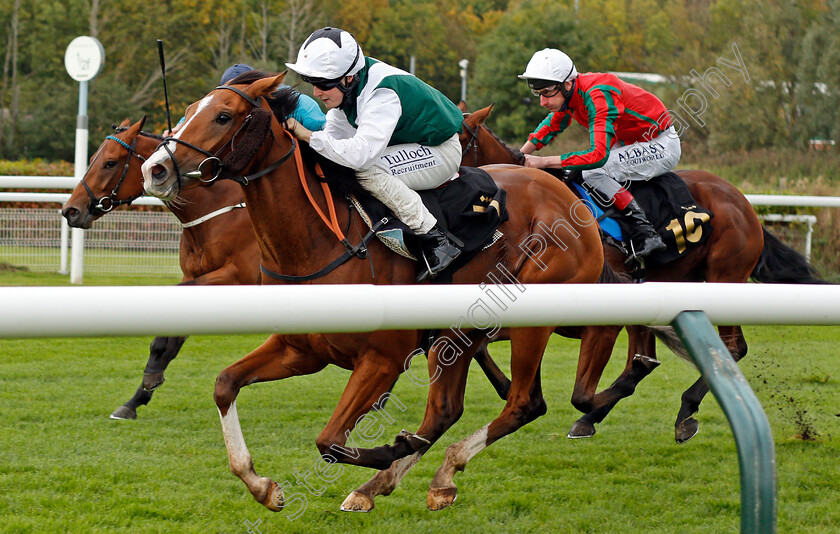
point(739, 248)
point(231, 134)
point(217, 247)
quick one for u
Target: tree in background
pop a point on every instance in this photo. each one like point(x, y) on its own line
point(504, 52)
point(818, 93)
point(787, 47)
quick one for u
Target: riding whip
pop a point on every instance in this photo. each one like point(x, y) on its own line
point(165, 93)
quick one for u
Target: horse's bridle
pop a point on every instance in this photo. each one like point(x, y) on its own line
point(473, 144)
point(103, 205)
point(359, 250)
point(214, 158)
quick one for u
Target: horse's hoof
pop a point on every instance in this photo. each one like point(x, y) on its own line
point(274, 499)
point(357, 502)
point(686, 430)
point(439, 498)
point(152, 381)
point(124, 412)
point(581, 429)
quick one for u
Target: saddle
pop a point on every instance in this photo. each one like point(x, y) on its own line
point(469, 209)
point(671, 209)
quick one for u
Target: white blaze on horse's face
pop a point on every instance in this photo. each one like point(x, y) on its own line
point(159, 178)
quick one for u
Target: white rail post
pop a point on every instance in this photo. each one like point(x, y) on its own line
point(65, 233)
point(83, 60)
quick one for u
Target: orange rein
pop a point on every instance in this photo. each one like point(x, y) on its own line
point(332, 221)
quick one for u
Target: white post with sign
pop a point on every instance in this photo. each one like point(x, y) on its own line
point(83, 60)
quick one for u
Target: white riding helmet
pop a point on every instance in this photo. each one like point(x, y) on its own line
point(328, 54)
point(549, 65)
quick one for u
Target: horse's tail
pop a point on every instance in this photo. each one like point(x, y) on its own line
point(780, 264)
point(665, 334)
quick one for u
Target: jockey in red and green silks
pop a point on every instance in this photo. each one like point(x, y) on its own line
point(631, 136)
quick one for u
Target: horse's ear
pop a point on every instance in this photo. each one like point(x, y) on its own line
point(477, 118)
point(463, 107)
point(133, 129)
point(265, 86)
point(125, 123)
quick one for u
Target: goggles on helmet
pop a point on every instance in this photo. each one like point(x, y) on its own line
point(321, 83)
point(546, 88)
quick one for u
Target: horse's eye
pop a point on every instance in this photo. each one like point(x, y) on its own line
point(223, 118)
point(110, 164)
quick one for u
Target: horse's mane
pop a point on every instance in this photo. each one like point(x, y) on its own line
point(120, 129)
point(517, 154)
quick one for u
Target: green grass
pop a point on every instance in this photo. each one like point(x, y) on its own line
point(15, 276)
point(65, 467)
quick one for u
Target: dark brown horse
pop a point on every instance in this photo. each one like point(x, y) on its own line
point(218, 246)
point(230, 134)
point(739, 248)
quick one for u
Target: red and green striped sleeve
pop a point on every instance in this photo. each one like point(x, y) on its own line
point(602, 110)
point(549, 128)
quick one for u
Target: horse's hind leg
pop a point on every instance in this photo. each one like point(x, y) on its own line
point(525, 403)
point(641, 361)
point(273, 360)
point(162, 351)
point(687, 426)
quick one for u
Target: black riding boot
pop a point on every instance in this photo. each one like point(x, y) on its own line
point(438, 253)
point(640, 234)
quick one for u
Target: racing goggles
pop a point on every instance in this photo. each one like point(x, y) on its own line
point(548, 92)
point(321, 83)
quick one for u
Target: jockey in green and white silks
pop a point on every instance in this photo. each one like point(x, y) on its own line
point(397, 132)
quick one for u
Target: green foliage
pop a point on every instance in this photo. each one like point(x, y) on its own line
point(787, 47)
point(418, 29)
point(504, 52)
point(35, 167)
point(819, 74)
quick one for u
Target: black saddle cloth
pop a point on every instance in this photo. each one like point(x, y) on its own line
point(470, 208)
point(673, 212)
point(671, 209)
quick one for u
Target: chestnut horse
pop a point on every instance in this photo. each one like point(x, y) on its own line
point(231, 134)
point(218, 246)
point(739, 248)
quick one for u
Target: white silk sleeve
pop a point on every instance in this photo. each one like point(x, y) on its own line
point(361, 148)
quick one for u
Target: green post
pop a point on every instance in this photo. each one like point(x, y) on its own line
point(753, 438)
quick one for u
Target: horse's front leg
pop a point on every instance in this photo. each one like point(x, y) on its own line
point(162, 351)
point(596, 344)
point(273, 360)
